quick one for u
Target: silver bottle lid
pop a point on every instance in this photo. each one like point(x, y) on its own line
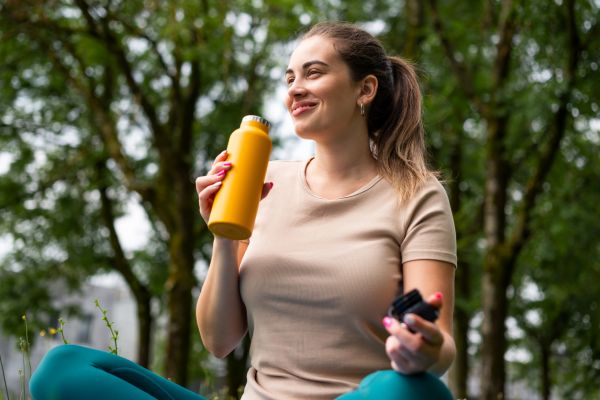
point(257, 119)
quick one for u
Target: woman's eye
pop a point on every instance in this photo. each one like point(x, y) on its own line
point(289, 80)
point(313, 73)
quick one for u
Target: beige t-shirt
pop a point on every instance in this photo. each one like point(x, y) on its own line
point(319, 275)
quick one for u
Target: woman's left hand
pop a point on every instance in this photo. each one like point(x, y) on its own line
point(416, 351)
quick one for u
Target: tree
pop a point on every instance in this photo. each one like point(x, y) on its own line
point(495, 69)
point(554, 303)
point(176, 78)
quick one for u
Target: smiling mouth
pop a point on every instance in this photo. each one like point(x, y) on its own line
point(302, 107)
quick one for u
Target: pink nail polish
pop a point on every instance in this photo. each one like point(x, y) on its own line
point(438, 295)
point(227, 164)
point(221, 173)
point(387, 322)
point(270, 185)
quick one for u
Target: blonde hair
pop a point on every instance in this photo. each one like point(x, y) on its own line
point(394, 118)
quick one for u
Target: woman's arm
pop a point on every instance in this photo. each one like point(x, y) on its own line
point(430, 347)
point(220, 312)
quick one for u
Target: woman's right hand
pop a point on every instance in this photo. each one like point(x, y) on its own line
point(208, 185)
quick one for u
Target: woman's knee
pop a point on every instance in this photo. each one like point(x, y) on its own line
point(389, 384)
point(54, 365)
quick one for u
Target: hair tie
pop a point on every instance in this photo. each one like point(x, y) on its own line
point(390, 69)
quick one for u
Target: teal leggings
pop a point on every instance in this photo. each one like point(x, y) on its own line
point(73, 372)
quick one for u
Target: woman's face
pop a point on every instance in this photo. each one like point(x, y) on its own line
point(321, 96)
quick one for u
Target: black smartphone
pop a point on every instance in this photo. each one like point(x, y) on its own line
point(412, 303)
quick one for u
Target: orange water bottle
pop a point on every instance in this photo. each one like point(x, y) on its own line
point(236, 203)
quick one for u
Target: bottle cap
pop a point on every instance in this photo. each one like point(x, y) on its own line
point(258, 119)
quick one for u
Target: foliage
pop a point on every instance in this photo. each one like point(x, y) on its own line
point(110, 102)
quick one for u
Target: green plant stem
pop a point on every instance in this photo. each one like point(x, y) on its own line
point(4, 378)
point(60, 329)
point(22, 384)
point(27, 346)
point(23, 372)
point(113, 332)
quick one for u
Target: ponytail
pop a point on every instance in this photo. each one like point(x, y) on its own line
point(396, 132)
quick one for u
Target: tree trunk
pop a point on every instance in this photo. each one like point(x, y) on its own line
point(237, 365)
point(178, 330)
point(145, 322)
point(121, 264)
point(493, 332)
point(496, 273)
point(545, 369)
point(414, 29)
point(181, 280)
point(459, 372)
point(179, 294)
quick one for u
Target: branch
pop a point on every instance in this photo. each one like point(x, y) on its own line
point(106, 125)
point(189, 108)
point(134, 30)
point(534, 185)
point(460, 70)
point(120, 262)
point(507, 28)
point(105, 35)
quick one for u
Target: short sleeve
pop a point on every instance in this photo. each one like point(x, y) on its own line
point(429, 226)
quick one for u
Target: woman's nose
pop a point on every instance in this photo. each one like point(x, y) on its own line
point(296, 89)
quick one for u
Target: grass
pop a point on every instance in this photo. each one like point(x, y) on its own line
point(25, 349)
point(26, 371)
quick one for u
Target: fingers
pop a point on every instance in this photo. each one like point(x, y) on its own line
point(266, 189)
point(430, 332)
point(221, 157)
point(413, 345)
point(436, 300)
point(208, 185)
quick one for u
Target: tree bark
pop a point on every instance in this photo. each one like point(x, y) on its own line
point(178, 196)
point(237, 365)
point(495, 305)
point(415, 18)
point(459, 372)
point(120, 263)
point(545, 369)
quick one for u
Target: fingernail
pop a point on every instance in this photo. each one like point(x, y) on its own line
point(270, 185)
point(409, 319)
point(387, 322)
point(221, 173)
point(438, 295)
point(227, 164)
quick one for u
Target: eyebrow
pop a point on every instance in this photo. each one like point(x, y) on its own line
point(308, 64)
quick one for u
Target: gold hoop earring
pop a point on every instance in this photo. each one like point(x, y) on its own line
point(362, 109)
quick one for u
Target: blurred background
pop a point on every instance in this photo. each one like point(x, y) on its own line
point(109, 109)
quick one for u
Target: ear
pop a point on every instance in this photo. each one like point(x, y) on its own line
point(368, 89)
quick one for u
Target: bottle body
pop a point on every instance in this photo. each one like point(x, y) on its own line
point(236, 203)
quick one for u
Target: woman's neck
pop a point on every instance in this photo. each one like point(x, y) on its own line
point(340, 168)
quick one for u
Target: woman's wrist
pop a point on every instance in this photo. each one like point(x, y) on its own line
point(224, 242)
point(446, 358)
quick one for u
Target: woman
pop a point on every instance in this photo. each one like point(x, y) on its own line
point(337, 237)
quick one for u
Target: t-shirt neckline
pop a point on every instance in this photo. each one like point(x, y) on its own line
point(364, 188)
